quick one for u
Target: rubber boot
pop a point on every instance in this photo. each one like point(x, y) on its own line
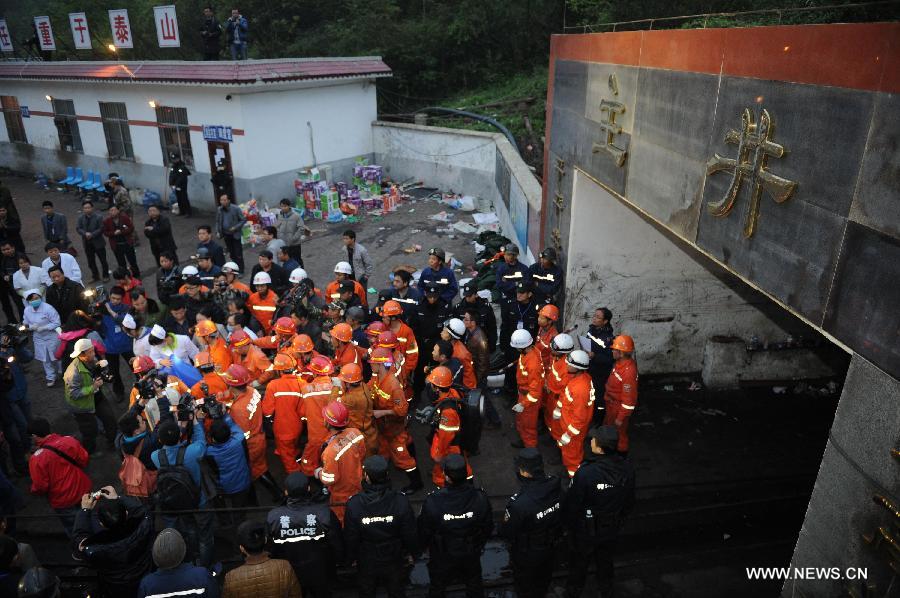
point(415, 482)
point(271, 485)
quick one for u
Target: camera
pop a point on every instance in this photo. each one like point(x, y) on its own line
point(95, 298)
point(148, 386)
point(104, 372)
point(168, 286)
point(209, 405)
point(184, 408)
point(13, 335)
point(97, 495)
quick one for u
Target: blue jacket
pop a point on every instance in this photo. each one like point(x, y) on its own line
point(443, 279)
point(231, 460)
point(179, 581)
point(114, 338)
point(196, 450)
point(215, 252)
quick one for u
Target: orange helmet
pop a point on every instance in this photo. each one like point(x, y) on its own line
point(342, 332)
point(285, 325)
point(142, 364)
point(441, 377)
point(239, 338)
point(336, 414)
point(375, 328)
point(302, 344)
point(382, 355)
point(623, 343)
point(236, 375)
point(351, 373)
point(549, 311)
point(284, 363)
point(391, 308)
point(387, 339)
point(321, 366)
point(205, 328)
point(203, 360)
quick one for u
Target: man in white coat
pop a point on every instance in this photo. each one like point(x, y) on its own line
point(55, 257)
point(42, 320)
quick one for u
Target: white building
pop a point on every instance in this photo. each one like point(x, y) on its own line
point(268, 118)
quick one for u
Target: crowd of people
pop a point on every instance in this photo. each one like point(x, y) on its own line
point(221, 372)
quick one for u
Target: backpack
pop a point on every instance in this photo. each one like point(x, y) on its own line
point(175, 488)
point(137, 480)
point(469, 429)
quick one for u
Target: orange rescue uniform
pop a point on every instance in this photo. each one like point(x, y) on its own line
point(284, 400)
point(530, 380)
point(247, 414)
point(462, 353)
point(393, 439)
point(557, 377)
point(263, 308)
point(444, 441)
point(332, 292)
point(220, 354)
point(349, 353)
point(359, 403)
point(577, 407)
point(542, 343)
point(342, 469)
point(215, 384)
point(256, 363)
point(280, 343)
point(239, 286)
point(406, 344)
point(316, 395)
point(621, 398)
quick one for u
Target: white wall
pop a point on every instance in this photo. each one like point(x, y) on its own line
point(670, 298)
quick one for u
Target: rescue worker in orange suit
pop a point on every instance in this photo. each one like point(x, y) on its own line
point(264, 302)
point(546, 332)
point(372, 331)
point(303, 350)
point(454, 332)
point(556, 378)
point(283, 333)
point(575, 411)
point(243, 353)
point(345, 351)
point(358, 399)
point(391, 312)
point(345, 449)
point(446, 427)
point(247, 414)
point(621, 389)
point(211, 378)
point(316, 395)
point(530, 381)
point(283, 401)
point(144, 369)
point(388, 340)
point(231, 271)
point(390, 412)
point(343, 271)
point(213, 344)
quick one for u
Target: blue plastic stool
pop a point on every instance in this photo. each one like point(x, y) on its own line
point(88, 181)
point(70, 174)
point(79, 177)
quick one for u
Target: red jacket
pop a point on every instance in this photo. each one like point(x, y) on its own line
point(125, 225)
point(62, 482)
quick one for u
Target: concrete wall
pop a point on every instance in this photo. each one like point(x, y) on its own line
point(471, 162)
point(272, 140)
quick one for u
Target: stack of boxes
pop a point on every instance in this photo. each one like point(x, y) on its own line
point(321, 200)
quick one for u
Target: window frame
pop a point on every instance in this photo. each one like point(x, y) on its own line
point(64, 120)
point(174, 133)
point(12, 115)
point(114, 116)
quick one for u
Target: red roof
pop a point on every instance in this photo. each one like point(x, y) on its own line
point(215, 73)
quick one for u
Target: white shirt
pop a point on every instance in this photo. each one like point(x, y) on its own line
point(184, 349)
point(34, 280)
point(141, 345)
point(69, 267)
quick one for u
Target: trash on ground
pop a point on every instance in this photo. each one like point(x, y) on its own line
point(485, 218)
point(465, 228)
point(440, 217)
point(412, 249)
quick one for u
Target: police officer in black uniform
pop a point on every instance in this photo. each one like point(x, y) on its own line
point(307, 533)
point(454, 525)
point(602, 493)
point(178, 181)
point(487, 320)
point(520, 312)
point(380, 532)
point(600, 334)
point(532, 525)
point(430, 315)
point(510, 272)
point(546, 277)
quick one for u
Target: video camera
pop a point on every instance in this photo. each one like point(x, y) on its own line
point(209, 405)
point(104, 372)
point(184, 408)
point(149, 385)
point(13, 335)
point(95, 299)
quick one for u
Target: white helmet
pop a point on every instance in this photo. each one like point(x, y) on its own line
point(578, 359)
point(456, 328)
point(562, 343)
point(189, 271)
point(231, 267)
point(521, 339)
point(343, 268)
point(262, 278)
point(297, 274)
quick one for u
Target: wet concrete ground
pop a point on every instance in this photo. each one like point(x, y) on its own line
point(693, 451)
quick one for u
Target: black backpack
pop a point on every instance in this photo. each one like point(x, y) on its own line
point(175, 488)
point(469, 426)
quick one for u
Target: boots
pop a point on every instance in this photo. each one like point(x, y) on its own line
point(415, 482)
point(271, 485)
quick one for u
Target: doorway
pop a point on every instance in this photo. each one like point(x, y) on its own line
point(222, 182)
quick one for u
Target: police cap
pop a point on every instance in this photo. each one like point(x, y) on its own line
point(524, 286)
point(296, 484)
point(530, 460)
point(606, 436)
point(511, 249)
point(434, 291)
point(455, 468)
point(438, 252)
point(376, 467)
point(549, 253)
point(470, 289)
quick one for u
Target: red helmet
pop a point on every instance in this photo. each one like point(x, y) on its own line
point(441, 377)
point(351, 373)
point(387, 339)
point(239, 338)
point(236, 375)
point(284, 363)
point(285, 325)
point(549, 311)
point(142, 364)
point(321, 366)
point(391, 308)
point(302, 343)
point(203, 360)
point(375, 328)
point(336, 414)
point(382, 355)
point(342, 332)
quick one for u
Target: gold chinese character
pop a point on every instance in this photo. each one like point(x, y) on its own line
point(608, 112)
point(755, 146)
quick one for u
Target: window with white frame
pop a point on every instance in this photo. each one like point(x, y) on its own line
point(116, 131)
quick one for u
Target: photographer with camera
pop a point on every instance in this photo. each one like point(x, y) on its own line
point(226, 450)
point(115, 339)
point(83, 380)
point(151, 386)
point(236, 30)
point(120, 552)
point(168, 277)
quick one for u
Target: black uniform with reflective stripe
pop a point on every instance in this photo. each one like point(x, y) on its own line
point(532, 522)
point(546, 281)
point(508, 276)
point(428, 322)
point(379, 525)
point(455, 521)
point(513, 312)
point(602, 362)
point(602, 493)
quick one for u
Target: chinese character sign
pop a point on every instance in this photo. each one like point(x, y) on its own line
point(80, 34)
point(217, 133)
point(44, 33)
point(121, 28)
point(166, 26)
point(5, 37)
